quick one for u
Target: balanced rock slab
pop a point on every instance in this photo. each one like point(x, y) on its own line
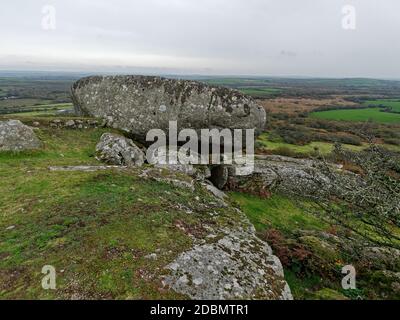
point(15, 136)
point(137, 104)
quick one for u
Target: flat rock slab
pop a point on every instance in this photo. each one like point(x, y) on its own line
point(15, 136)
point(137, 104)
point(85, 168)
point(285, 174)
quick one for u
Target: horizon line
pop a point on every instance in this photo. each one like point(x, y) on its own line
point(194, 74)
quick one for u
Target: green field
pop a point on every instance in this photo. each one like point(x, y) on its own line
point(259, 92)
point(393, 104)
point(320, 147)
point(12, 103)
point(374, 113)
point(256, 87)
point(43, 110)
point(369, 114)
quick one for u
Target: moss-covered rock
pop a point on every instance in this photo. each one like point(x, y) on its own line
point(379, 258)
point(321, 248)
point(386, 284)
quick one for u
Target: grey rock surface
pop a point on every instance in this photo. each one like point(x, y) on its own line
point(273, 172)
point(117, 150)
point(137, 104)
point(226, 260)
point(215, 191)
point(15, 136)
point(86, 168)
point(233, 264)
point(178, 160)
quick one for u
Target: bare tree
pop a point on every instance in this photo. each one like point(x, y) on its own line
point(366, 202)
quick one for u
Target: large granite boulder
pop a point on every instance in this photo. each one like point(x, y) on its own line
point(137, 104)
point(15, 136)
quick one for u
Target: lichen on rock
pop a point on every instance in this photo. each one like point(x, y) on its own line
point(137, 104)
point(115, 149)
point(233, 264)
point(15, 136)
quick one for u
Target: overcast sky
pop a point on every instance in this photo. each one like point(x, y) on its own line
point(260, 37)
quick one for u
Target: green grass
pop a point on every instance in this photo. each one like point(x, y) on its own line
point(360, 115)
point(256, 87)
point(291, 223)
point(44, 110)
point(394, 104)
point(323, 148)
point(12, 103)
point(259, 92)
point(288, 217)
point(37, 110)
point(95, 226)
point(276, 212)
point(224, 81)
point(98, 226)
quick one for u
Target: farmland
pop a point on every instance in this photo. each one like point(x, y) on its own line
point(259, 92)
point(34, 92)
point(392, 104)
point(306, 116)
point(368, 114)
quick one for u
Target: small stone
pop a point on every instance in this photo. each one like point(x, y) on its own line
point(216, 192)
point(70, 124)
point(183, 279)
point(174, 266)
point(151, 256)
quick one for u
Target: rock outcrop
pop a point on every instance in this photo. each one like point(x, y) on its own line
point(15, 136)
point(117, 150)
point(137, 104)
point(273, 172)
point(226, 259)
point(232, 263)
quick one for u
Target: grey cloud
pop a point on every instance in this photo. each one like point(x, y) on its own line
point(285, 37)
